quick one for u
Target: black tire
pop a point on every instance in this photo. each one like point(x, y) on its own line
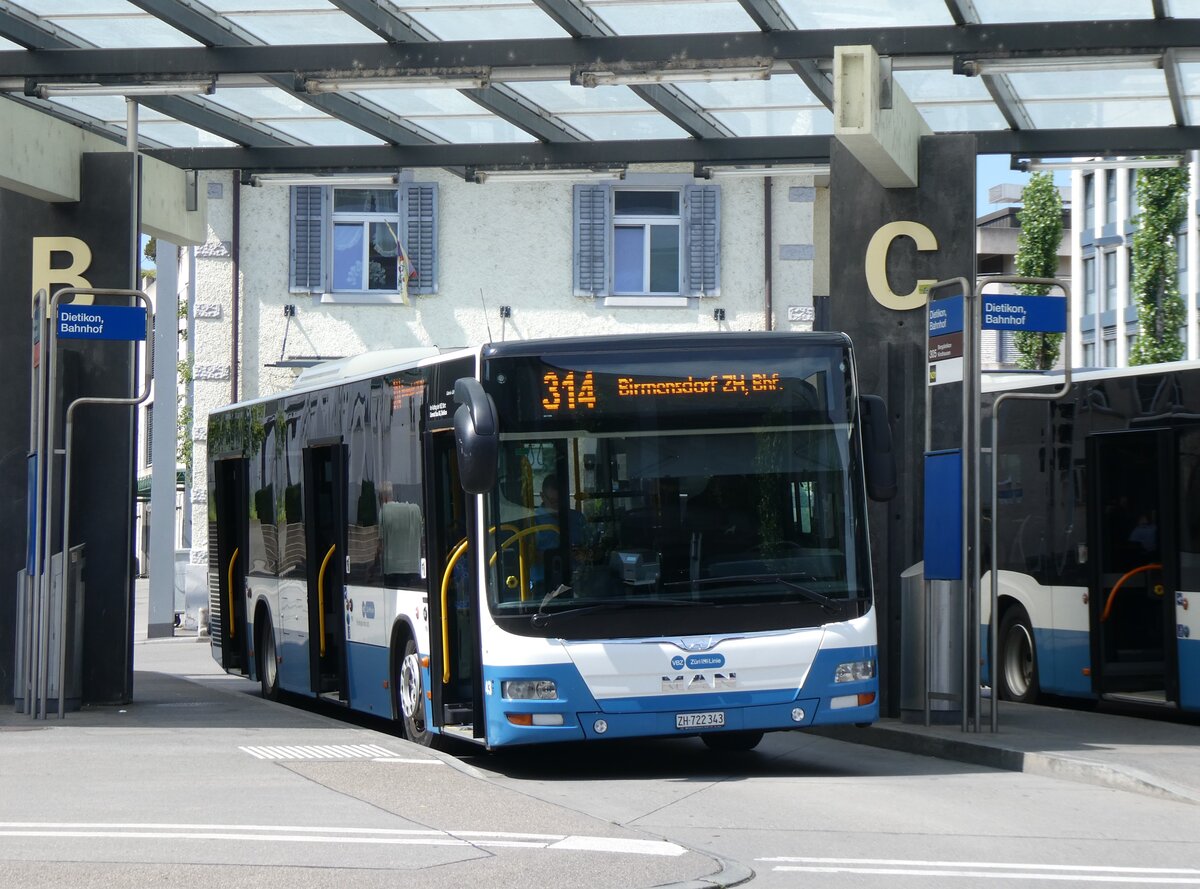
point(410, 695)
point(732, 742)
point(268, 662)
point(1017, 665)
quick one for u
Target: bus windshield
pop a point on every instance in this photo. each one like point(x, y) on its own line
point(631, 483)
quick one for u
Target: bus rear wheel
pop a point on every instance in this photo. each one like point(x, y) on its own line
point(268, 663)
point(411, 690)
point(732, 742)
point(1018, 658)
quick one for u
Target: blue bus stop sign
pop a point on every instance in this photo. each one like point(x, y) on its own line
point(1038, 314)
point(101, 322)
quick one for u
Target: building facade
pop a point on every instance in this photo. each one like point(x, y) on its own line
point(1104, 316)
point(293, 274)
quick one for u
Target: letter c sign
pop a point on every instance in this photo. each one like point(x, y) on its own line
point(876, 264)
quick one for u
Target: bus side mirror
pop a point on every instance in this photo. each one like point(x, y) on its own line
point(878, 456)
point(476, 435)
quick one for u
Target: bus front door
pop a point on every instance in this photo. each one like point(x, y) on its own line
point(232, 537)
point(325, 536)
point(1134, 570)
point(454, 640)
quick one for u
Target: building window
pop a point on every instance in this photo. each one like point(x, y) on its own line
point(1089, 286)
point(1110, 196)
point(1110, 281)
point(1089, 202)
point(647, 242)
point(1130, 342)
point(1110, 351)
point(366, 247)
point(1089, 354)
point(1133, 194)
point(1181, 247)
point(364, 244)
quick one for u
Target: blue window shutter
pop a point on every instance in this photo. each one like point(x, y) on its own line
point(308, 239)
point(591, 249)
point(420, 216)
point(702, 239)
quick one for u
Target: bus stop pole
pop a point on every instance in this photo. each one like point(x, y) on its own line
point(994, 628)
point(52, 343)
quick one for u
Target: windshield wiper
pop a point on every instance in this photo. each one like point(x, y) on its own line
point(831, 606)
point(542, 618)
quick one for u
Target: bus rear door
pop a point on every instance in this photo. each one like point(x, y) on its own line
point(1134, 563)
point(232, 542)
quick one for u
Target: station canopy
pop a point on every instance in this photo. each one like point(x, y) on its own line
point(477, 85)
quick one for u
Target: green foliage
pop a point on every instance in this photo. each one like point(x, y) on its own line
point(1162, 194)
point(1037, 257)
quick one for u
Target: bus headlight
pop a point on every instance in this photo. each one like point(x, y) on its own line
point(529, 690)
point(852, 671)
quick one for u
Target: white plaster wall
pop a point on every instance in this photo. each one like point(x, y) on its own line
point(498, 244)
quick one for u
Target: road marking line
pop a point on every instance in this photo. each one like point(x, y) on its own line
point(991, 875)
point(318, 751)
point(901, 862)
point(352, 835)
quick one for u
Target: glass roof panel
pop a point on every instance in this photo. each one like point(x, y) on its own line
point(226, 6)
point(677, 17)
point(421, 101)
point(466, 21)
point(325, 132)
point(294, 28)
point(6, 45)
point(1189, 73)
point(941, 86)
point(957, 118)
point(76, 7)
point(1183, 9)
point(1041, 11)
point(781, 91)
point(1097, 113)
point(473, 129)
point(777, 122)
point(1096, 85)
point(866, 13)
point(109, 24)
point(107, 108)
point(181, 135)
point(261, 103)
point(562, 97)
point(625, 126)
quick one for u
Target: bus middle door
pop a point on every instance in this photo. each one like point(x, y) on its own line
point(325, 542)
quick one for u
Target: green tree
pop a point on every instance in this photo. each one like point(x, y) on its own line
point(1162, 195)
point(1040, 218)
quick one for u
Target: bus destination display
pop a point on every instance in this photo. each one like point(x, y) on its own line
point(576, 390)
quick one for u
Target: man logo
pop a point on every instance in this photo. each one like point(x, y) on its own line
point(699, 682)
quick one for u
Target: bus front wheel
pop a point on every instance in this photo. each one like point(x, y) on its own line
point(1018, 658)
point(411, 690)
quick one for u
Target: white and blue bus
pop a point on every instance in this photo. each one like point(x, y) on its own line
point(1098, 533)
point(558, 540)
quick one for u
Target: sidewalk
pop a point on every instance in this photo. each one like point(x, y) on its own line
point(1138, 754)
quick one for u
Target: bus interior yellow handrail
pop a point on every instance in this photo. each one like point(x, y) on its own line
point(321, 596)
point(232, 562)
point(459, 549)
point(1116, 586)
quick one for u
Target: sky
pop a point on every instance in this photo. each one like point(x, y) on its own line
point(994, 169)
